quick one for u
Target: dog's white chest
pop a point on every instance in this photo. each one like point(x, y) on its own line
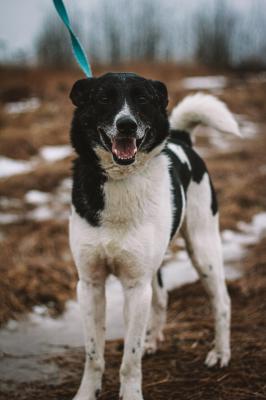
point(135, 223)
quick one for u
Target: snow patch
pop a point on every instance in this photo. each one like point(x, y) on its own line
point(9, 167)
point(41, 213)
point(55, 153)
point(6, 202)
point(55, 205)
point(40, 310)
point(8, 218)
point(63, 192)
point(23, 106)
point(204, 82)
point(37, 197)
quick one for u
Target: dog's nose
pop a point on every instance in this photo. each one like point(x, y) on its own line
point(126, 125)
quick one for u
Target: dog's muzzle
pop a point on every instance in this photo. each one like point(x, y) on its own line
point(125, 144)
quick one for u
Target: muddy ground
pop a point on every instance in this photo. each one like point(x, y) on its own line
point(36, 266)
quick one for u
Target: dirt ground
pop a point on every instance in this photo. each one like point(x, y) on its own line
point(36, 266)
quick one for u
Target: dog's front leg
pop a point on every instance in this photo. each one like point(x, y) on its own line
point(137, 304)
point(91, 297)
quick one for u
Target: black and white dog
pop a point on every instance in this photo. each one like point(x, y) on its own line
point(137, 183)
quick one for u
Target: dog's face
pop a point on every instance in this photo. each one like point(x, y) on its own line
point(122, 113)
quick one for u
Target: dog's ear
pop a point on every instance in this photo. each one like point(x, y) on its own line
point(80, 91)
point(161, 93)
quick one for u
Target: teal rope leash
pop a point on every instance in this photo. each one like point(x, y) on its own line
point(78, 51)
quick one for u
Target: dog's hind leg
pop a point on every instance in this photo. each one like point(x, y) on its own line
point(201, 233)
point(157, 315)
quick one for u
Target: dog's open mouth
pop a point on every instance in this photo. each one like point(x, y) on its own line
point(124, 150)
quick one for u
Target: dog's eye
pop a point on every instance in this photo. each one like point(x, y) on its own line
point(103, 99)
point(142, 99)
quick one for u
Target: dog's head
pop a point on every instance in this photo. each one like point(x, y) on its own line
point(120, 113)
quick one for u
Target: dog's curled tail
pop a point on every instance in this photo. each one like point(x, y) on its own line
point(206, 110)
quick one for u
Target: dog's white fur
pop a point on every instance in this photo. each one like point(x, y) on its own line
point(131, 243)
point(203, 109)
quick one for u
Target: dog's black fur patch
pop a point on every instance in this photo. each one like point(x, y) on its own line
point(176, 169)
point(182, 136)
point(87, 191)
point(214, 204)
point(160, 278)
point(197, 164)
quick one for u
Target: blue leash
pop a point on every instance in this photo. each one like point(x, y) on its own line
point(78, 51)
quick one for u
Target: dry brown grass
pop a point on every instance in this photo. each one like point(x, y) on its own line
point(36, 268)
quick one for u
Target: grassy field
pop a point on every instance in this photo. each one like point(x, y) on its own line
point(36, 267)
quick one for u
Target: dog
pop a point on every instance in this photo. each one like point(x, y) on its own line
point(137, 184)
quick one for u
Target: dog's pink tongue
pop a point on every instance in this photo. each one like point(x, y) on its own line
point(124, 148)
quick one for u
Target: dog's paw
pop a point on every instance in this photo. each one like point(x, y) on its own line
point(217, 357)
point(86, 396)
point(131, 396)
point(150, 347)
point(135, 397)
point(130, 391)
point(152, 341)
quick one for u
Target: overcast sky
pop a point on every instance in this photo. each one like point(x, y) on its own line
point(21, 20)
